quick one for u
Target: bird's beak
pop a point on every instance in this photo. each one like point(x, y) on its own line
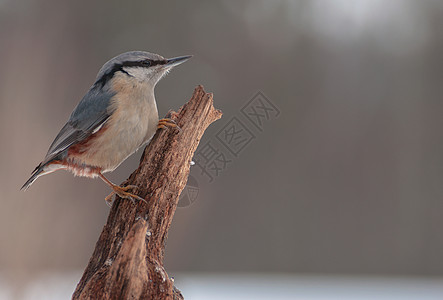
point(172, 62)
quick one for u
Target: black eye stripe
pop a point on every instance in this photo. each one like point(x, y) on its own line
point(143, 63)
point(158, 62)
point(146, 63)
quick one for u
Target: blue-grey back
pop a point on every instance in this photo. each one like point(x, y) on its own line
point(91, 112)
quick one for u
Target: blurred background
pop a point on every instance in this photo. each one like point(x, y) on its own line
point(337, 176)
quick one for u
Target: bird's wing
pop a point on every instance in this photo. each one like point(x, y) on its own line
point(91, 113)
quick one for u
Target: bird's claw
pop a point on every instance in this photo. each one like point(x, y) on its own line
point(122, 192)
point(166, 122)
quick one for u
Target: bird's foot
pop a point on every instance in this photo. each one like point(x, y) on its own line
point(166, 122)
point(122, 192)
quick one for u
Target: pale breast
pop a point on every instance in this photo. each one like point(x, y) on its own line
point(133, 123)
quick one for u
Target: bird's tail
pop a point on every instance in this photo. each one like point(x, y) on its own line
point(35, 174)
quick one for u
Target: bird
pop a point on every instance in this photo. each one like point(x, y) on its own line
point(117, 116)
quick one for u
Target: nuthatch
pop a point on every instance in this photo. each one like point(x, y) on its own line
point(117, 116)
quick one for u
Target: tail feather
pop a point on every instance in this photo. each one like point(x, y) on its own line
point(35, 174)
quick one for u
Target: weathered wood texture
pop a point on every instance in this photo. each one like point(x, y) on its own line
point(127, 262)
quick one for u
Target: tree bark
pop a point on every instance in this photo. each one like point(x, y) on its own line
point(127, 262)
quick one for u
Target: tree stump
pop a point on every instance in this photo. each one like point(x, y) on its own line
point(127, 262)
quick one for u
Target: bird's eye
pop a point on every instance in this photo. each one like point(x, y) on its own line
point(146, 63)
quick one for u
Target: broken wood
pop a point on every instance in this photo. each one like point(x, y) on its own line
point(127, 262)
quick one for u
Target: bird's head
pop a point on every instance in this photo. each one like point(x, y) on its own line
point(147, 68)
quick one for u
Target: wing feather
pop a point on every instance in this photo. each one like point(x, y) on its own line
point(92, 112)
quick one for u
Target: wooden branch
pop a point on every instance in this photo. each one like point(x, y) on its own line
point(127, 262)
